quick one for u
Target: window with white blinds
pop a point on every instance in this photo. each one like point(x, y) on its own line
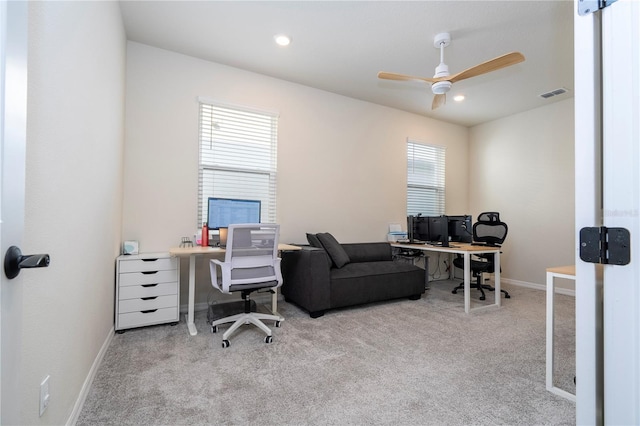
point(425, 179)
point(238, 148)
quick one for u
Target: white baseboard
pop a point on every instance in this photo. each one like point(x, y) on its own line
point(197, 307)
point(536, 286)
point(82, 397)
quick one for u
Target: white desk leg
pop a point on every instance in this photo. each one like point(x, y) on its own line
point(192, 295)
point(550, 294)
point(551, 291)
point(496, 274)
point(467, 282)
point(452, 269)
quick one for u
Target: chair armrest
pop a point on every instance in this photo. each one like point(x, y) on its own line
point(217, 279)
point(306, 278)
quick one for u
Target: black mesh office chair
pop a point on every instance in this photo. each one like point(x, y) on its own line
point(491, 231)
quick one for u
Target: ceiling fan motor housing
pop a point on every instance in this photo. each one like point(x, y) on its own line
point(442, 70)
point(441, 87)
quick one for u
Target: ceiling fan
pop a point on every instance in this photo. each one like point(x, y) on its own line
point(442, 80)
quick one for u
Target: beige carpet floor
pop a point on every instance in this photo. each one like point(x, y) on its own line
point(404, 362)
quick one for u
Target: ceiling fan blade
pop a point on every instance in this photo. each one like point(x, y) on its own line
point(402, 77)
point(488, 66)
point(438, 101)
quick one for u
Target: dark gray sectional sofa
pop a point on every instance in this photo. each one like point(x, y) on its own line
point(339, 275)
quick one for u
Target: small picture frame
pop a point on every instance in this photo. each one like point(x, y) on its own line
point(130, 247)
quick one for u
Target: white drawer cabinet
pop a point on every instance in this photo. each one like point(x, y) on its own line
point(147, 290)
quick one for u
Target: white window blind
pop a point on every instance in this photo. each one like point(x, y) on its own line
point(425, 179)
point(238, 150)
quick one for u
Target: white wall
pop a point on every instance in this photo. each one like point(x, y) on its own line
point(73, 195)
point(523, 167)
point(341, 162)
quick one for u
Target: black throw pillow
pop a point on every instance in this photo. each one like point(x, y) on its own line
point(314, 241)
point(334, 249)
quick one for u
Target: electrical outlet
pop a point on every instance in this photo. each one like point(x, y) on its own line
point(44, 395)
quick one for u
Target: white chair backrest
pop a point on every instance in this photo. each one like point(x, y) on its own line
point(252, 253)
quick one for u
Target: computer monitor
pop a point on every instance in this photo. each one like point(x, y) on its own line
point(460, 228)
point(223, 212)
point(439, 230)
point(428, 229)
point(418, 228)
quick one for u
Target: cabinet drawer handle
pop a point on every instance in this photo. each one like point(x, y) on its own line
point(149, 260)
point(149, 311)
point(150, 272)
point(149, 285)
point(149, 298)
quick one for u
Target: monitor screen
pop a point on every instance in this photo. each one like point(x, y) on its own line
point(439, 230)
point(428, 229)
point(460, 228)
point(223, 212)
point(417, 228)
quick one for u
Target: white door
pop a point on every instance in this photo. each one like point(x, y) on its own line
point(13, 118)
point(621, 202)
point(607, 68)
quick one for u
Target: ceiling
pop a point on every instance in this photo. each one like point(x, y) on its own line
point(340, 46)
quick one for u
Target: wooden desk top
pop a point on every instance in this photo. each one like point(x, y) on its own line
point(564, 270)
point(288, 247)
point(186, 251)
point(453, 247)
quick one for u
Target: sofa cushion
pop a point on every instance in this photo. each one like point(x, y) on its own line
point(334, 249)
point(367, 269)
point(314, 241)
point(367, 252)
point(367, 282)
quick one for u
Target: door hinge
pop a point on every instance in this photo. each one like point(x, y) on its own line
point(605, 245)
point(589, 6)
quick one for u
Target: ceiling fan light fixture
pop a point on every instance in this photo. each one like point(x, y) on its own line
point(282, 39)
point(442, 81)
point(441, 87)
point(458, 98)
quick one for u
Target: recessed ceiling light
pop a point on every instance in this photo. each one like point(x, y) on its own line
point(458, 98)
point(282, 40)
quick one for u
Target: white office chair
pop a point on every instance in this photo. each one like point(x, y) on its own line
point(251, 263)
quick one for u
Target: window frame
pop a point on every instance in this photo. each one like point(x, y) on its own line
point(254, 133)
point(433, 181)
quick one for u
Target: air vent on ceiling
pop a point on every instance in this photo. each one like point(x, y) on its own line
point(553, 93)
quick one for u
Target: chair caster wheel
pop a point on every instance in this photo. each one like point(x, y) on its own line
point(506, 296)
point(482, 297)
point(214, 328)
point(268, 339)
point(225, 344)
point(454, 291)
point(278, 324)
